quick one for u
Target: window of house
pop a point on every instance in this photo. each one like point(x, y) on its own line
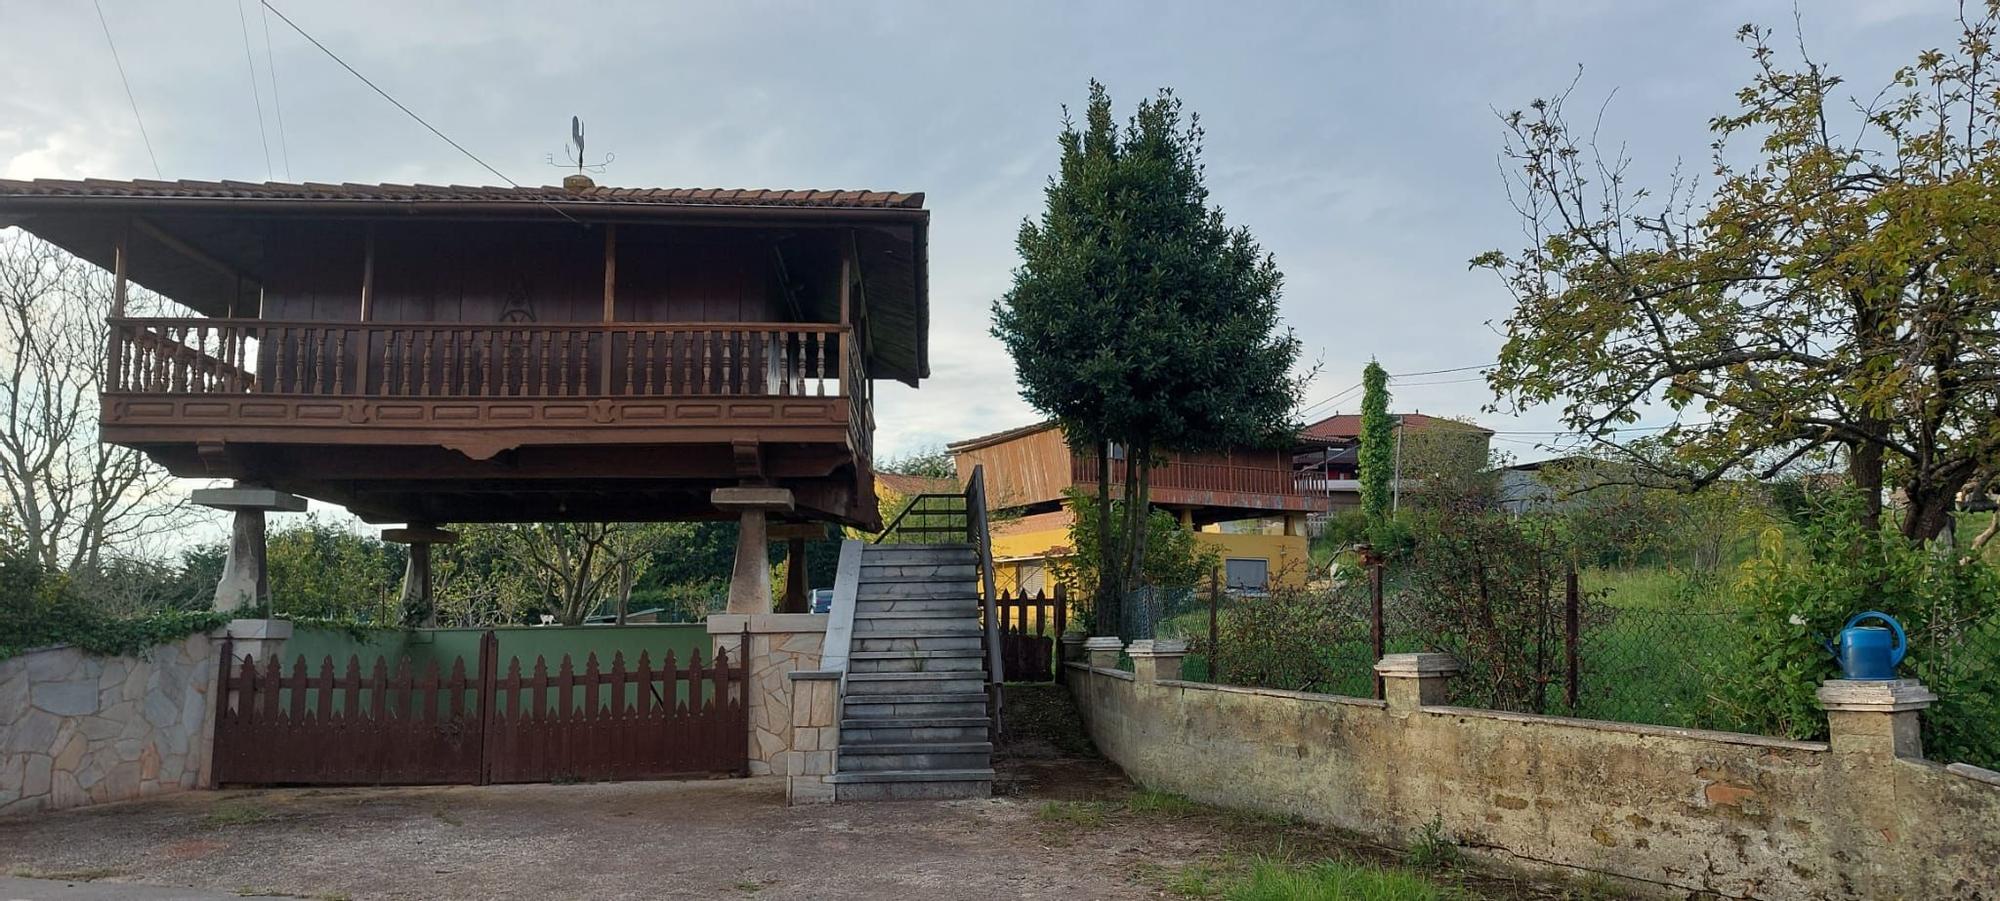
point(1247, 574)
point(1031, 577)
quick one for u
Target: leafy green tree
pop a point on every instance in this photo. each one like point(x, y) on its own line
point(1174, 559)
point(931, 462)
point(1838, 288)
point(1138, 318)
point(320, 569)
point(1378, 451)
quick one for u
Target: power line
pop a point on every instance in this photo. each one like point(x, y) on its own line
point(406, 110)
point(1393, 380)
point(128, 88)
point(271, 64)
point(1441, 371)
point(255, 96)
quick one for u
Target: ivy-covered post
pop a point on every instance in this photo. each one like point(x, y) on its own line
point(1377, 454)
point(243, 581)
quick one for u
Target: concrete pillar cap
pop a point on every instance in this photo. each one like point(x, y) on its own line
point(1157, 647)
point(1417, 666)
point(1874, 695)
point(1104, 643)
point(1074, 638)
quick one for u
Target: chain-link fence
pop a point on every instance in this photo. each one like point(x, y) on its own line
point(1576, 658)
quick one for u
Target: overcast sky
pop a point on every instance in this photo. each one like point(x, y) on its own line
point(1356, 140)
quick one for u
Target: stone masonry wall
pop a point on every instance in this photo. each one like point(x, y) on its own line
point(780, 643)
point(77, 729)
point(1737, 815)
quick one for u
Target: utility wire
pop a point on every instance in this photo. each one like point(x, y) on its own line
point(406, 110)
point(1440, 371)
point(1395, 380)
point(271, 64)
point(255, 96)
point(128, 88)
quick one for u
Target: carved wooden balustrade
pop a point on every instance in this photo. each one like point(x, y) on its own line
point(445, 374)
point(207, 356)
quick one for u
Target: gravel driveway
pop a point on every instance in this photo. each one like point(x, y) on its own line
point(630, 840)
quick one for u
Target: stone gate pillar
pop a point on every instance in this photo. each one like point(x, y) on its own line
point(750, 580)
point(244, 583)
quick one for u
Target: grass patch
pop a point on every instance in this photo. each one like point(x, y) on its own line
point(236, 813)
point(447, 817)
point(1072, 814)
point(1333, 880)
point(1433, 848)
point(1150, 801)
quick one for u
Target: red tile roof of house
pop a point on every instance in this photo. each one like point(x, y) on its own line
point(1345, 426)
point(243, 190)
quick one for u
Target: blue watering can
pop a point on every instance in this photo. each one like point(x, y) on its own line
point(1869, 653)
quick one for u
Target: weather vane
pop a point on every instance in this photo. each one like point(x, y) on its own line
point(574, 157)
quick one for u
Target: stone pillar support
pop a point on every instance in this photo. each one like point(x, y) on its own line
point(750, 579)
point(1156, 659)
point(1103, 651)
point(1411, 681)
point(795, 536)
point(1875, 718)
point(244, 583)
point(419, 604)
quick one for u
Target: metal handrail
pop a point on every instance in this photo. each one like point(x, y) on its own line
point(918, 501)
point(975, 502)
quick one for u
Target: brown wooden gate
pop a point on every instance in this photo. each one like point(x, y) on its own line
point(1029, 628)
point(403, 728)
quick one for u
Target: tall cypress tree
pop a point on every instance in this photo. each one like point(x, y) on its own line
point(1378, 447)
point(1138, 317)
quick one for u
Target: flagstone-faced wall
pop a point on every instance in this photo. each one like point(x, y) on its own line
point(780, 644)
point(77, 729)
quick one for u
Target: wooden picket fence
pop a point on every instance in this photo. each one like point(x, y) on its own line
point(402, 728)
point(1030, 625)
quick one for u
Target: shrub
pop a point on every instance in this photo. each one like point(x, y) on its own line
point(1289, 639)
point(1799, 592)
point(39, 608)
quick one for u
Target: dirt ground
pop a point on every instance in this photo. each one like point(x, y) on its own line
point(1063, 823)
point(630, 840)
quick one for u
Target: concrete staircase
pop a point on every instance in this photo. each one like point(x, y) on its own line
point(914, 720)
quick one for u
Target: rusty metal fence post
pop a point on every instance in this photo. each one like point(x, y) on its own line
point(1377, 640)
point(1214, 633)
point(1572, 626)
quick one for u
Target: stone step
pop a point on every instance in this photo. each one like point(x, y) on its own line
point(912, 785)
point(972, 755)
point(921, 627)
point(891, 591)
point(909, 706)
point(864, 641)
point(925, 554)
point(910, 730)
point(867, 661)
point(878, 614)
point(924, 572)
point(892, 683)
point(965, 606)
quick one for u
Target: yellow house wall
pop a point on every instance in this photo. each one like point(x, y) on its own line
point(1288, 556)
